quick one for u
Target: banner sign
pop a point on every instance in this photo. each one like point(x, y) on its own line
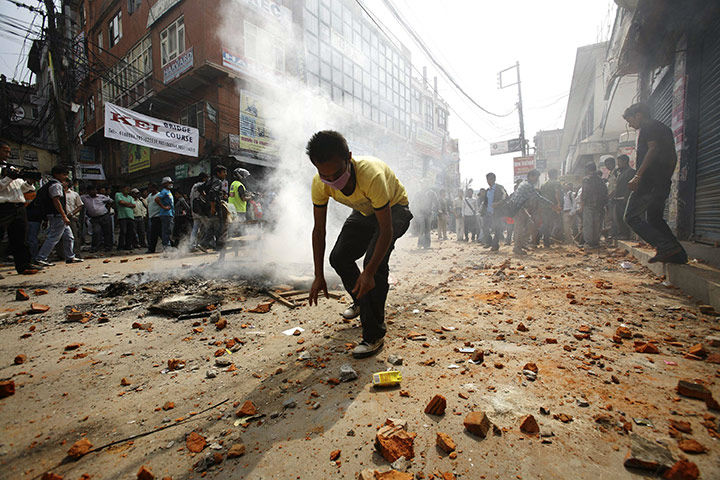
point(132, 127)
point(507, 146)
point(138, 158)
point(253, 133)
point(178, 66)
point(240, 65)
point(90, 172)
point(522, 165)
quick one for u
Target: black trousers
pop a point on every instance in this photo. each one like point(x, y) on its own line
point(154, 233)
point(127, 233)
point(101, 232)
point(358, 237)
point(14, 220)
point(140, 234)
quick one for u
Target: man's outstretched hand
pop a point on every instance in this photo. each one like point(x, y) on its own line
point(318, 285)
point(364, 284)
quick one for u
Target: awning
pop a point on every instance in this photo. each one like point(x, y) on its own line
point(255, 161)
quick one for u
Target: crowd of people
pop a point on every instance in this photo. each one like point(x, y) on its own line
point(56, 218)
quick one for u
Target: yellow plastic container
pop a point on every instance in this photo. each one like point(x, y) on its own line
point(386, 379)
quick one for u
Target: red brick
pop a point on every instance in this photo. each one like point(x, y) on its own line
point(436, 406)
point(334, 455)
point(195, 442)
point(51, 476)
point(168, 406)
point(145, 474)
point(393, 442)
point(38, 308)
point(21, 296)
point(529, 425)
point(72, 346)
point(698, 350)
point(693, 390)
point(175, 364)
point(40, 291)
point(647, 348)
point(79, 448)
point(531, 366)
point(20, 359)
point(445, 442)
point(623, 332)
point(689, 445)
point(7, 388)
point(220, 324)
point(477, 423)
point(684, 469)
point(248, 408)
point(393, 475)
point(521, 327)
point(681, 426)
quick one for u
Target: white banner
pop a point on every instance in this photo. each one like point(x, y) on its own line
point(132, 127)
point(90, 172)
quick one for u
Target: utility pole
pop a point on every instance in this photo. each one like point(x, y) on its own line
point(55, 56)
point(523, 142)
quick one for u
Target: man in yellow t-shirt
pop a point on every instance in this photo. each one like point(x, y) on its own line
point(380, 216)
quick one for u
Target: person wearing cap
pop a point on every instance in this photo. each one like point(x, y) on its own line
point(200, 210)
point(165, 201)
point(154, 225)
point(139, 218)
point(238, 192)
point(217, 215)
point(126, 218)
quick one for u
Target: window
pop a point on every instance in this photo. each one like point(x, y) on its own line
point(194, 116)
point(263, 48)
point(115, 29)
point(100, 40)
point(133, 6)
point(429, 117)
point(172, 41)
point(91, 107)
point(442, 118)
point(130, 75)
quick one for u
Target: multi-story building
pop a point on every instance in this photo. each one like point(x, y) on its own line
point(173, 60)
point(547, 150)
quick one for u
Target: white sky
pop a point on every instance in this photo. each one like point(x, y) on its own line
point(473, 39)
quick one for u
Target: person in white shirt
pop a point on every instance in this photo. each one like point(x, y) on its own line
point(73, 207)
point(12, 213)
point(567, 214)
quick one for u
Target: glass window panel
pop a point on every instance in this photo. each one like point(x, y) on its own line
point(325, 71)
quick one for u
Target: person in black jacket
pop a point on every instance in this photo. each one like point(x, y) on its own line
point(619, 198)
point(656, 160)
point(593, 200)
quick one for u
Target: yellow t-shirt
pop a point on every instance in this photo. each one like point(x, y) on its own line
point(376, 186)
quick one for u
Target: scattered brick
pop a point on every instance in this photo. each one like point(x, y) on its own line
point(681, 426)
point(335, 454)
point(51, 476)
point(236, 450)
point(531, 366)
point(393, 442)
point(683, 469)
point(7, 388)
point(436, 406)
point(689, 445)
point(693, 390)
point(698, 350)
point(168, 406)
point(175, 364)
point(145, 474)
point(623, 332)
point(445, 442)
point(20, 359)
point(521, 327)
point(72, 346)
point(124, 382)
point(477, 423)
point(529, 425)
point(40, 291)
point(195, 442)
point(220, 324)
point(79, 448)
point(21, 296)
point(38, 308)
point(248, 408)
point(550, 341)
point(647, 348)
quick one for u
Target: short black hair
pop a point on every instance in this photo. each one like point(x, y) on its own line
point(590, 167)
point(636, 108)
point(219, 168)
point(533, 173)
point(553, 173)
point(610, 160)
point(624, 158)
point(3, 143)
point(203, 176)
point(491, 174)
point(326, 145)
point(59, 170)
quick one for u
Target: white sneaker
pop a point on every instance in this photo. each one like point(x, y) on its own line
point(352, 311)
point(365, 349)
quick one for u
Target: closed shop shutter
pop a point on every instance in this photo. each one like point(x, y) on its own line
point(707, 193)
point(660, 102)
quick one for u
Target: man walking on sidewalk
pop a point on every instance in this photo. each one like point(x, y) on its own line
point(380, 216)
point(494, 195)
point(656, 160)
point(593, 200)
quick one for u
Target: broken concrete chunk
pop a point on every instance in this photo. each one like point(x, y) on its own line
point(211, 373)
point(348, 373)
point(647, 455)
point(395, 359)
point(436, 406)
point(177, 305)
point(477, 423)
point(223, 362)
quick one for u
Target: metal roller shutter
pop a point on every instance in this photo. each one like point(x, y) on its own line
point(660, 102)
point(707, 192)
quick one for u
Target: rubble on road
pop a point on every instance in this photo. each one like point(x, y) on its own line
point(393, 442)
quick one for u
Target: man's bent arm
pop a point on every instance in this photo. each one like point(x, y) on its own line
point(649, 159)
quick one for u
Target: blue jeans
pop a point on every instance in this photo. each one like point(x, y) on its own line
point(166, 228)
point(33, 232)
point(57, 230)
point(644, 214)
